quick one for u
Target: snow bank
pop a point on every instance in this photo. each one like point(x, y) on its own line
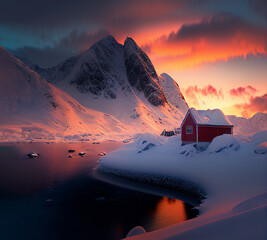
point(223, 143)
point(148, 140)
point(261, 148)
point(229, 171)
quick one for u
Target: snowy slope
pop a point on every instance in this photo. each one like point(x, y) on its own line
point(32, 108)
point(232, 173)
point(119, 80)
point(173, 93)
point(249, 126)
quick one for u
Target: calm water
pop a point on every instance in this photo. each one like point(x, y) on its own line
point(55, 197)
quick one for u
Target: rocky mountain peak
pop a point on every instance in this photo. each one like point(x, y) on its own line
point(141, 73)
point(109, 68)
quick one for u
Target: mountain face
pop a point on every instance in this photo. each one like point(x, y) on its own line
point(108, 67)
point(173, 93)
point(119, 80)
point(141, 73)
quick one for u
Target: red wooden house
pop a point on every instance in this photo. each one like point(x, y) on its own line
point(203, 125)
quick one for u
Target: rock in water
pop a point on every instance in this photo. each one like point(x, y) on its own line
point(33, 155)
point(102, 154)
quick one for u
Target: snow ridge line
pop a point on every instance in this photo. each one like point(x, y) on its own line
point(173, 183)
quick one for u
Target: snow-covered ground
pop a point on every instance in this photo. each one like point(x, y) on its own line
point(233, 174)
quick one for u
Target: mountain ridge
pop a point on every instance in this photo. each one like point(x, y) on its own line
point(110, 70)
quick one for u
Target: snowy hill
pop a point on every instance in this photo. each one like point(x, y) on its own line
point(119, 80)
point(249, 126)
point(172, 92)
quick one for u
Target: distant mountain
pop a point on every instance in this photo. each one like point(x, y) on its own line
point(249, 126)
point(119, 80)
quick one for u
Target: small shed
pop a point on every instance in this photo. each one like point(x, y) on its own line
point(201, 126)
point(167, 133)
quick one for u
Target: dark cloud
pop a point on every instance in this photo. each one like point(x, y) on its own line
point(217, 28)
point(52, 13)
point(104, 13)
point(256, 104)
point(41, 23)
point(260, 7)
point(72, 44)
point(241, 91)
point(43, 57)
point(81, 40)
point(59, 13)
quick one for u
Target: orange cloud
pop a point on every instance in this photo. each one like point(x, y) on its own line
point(215, 39)
point(194, 95)
point(255, 104)
point(241, 91)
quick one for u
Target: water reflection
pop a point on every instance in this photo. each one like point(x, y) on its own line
point(168, 212)
point(55, 197)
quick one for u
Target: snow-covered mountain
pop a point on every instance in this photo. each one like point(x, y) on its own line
point(32, 108)
point(109, 91)
point(119, 80)
point(173, 93)
point(249, 126)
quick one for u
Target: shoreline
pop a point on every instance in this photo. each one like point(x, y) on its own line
point(177, 184)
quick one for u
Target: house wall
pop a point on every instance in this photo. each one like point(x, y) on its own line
point(189, 137)
point(207, 133)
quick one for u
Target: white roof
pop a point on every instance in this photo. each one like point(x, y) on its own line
point(210, 117)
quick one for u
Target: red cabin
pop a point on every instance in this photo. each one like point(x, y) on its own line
point(203, 125)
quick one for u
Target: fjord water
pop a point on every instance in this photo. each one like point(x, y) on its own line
point(55, 197)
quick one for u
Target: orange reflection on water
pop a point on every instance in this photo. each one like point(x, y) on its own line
point(168, 211)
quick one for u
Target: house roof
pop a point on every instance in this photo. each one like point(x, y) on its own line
point(213, 117)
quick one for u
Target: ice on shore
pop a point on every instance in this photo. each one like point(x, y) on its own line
point(136, 231)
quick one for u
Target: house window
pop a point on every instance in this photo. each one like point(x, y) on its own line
point(189, 129)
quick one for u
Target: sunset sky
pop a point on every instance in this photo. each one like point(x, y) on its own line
point(215, 50)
